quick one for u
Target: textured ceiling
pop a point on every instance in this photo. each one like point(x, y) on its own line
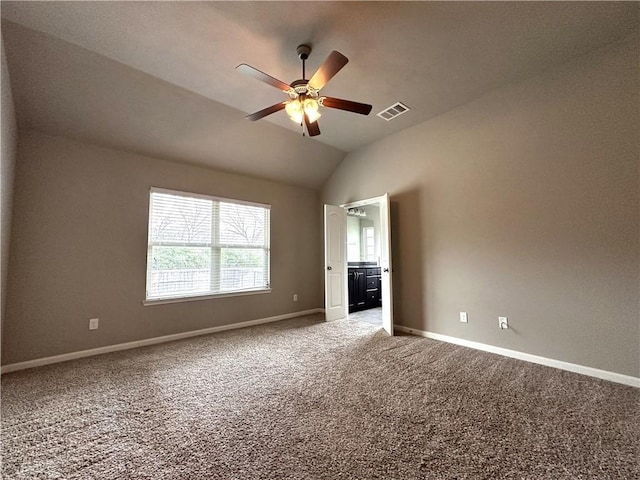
point(159, 78)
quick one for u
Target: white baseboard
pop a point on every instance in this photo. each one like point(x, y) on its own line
point(38, 362)
point(527, 357)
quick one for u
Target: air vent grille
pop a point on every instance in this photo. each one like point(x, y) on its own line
point(393, 111)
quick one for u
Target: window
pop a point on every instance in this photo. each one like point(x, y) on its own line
point(369, 244)
point(200, 246)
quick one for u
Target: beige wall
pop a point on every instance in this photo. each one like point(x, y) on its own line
point(8, 143)
point(525, 204)
point(79, 249)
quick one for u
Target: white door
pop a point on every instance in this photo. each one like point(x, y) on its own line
point(335, 261)
point(385, 263)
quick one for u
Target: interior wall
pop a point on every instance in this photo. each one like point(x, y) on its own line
point(8, 145)
point(80, 244)
point(525, 204)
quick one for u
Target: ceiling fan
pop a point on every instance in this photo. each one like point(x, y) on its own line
point(304, 95)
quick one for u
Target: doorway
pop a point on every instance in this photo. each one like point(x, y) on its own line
point(363, 264)
point(358, 255)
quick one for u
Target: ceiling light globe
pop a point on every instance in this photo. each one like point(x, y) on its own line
point(311, 109)
point(294, 110)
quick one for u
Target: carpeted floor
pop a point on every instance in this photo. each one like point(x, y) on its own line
point(304, 399)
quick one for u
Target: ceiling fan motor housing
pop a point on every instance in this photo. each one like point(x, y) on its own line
point(302, 87)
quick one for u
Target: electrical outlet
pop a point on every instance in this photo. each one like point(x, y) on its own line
point(463, 317)
point(93, 323)
point(503, 323)
point(295, 297)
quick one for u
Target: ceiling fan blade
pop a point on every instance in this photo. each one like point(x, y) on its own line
point(266, 111)
point(349, 106)
point(312, 127)
point(263, 77)
point(332, 65)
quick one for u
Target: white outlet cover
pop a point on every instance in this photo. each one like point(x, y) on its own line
point(93, 323)
point(463, 317)
point(503, 323)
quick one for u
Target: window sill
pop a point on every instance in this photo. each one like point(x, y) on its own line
point(162, 301)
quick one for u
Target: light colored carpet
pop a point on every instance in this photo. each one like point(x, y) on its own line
point(304, 399)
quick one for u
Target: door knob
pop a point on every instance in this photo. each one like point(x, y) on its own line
point(329, 268)
point(385, 270)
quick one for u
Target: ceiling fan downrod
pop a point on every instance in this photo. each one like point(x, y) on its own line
point(303, 53)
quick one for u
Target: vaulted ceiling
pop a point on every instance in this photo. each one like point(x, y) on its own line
point(159, 78)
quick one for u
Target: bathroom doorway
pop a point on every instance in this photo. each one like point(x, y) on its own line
point(358, 279)
point(364, 285)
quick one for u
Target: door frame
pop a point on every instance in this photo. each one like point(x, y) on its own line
point(382, 202)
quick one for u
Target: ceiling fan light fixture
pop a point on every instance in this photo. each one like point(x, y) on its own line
point(296, 110)
point(311, 109)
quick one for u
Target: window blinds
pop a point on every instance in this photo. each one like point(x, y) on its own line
point(200, 245)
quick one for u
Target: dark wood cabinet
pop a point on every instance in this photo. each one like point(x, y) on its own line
point(357, 285)
point(364, 288)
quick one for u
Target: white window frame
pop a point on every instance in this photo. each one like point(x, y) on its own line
point(215, 246)
point(369, 246)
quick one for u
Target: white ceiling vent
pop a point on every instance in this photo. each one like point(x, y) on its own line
point(393, 111)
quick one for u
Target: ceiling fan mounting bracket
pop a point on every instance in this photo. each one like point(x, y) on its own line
point(303, 52)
